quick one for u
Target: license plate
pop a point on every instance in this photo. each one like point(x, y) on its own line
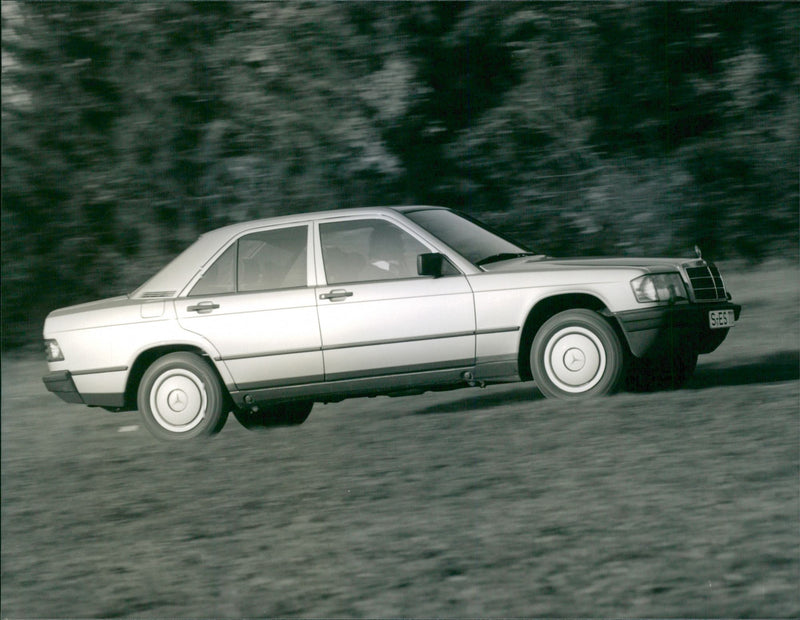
point(717, 319)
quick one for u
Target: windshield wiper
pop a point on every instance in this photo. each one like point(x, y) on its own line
point(495, 258)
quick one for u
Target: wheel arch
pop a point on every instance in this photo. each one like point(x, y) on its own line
point(145, 358)
point(550, 306)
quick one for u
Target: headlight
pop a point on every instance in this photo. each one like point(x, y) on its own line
point(659, 287)
point(53, 351)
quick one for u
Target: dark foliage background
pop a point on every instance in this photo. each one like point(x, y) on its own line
point(130, 128)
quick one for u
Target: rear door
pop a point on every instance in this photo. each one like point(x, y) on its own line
point(376, 315)
point(256, 306)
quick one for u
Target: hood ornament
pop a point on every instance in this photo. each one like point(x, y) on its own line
point(697, 251)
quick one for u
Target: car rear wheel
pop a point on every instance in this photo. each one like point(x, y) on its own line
point(283, 414)
point(180, 397)
point(577, 354)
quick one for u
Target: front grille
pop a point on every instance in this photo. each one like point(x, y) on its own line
point(706, 283)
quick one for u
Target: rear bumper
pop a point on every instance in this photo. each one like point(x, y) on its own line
point(61, 384)
point(654, 331)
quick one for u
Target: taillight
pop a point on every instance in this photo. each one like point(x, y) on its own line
point(53, 351)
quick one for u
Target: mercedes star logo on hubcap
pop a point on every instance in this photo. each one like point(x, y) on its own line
point(177, 400)
point(574, 360)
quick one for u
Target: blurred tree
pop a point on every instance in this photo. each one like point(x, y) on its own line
point(714, 88)
point(464, 67)
point(683, 107)
point(531, 153)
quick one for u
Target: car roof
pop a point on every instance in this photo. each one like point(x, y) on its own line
point(172, 277)
point(238, 227)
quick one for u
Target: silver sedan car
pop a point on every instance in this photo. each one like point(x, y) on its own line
point(267, 317)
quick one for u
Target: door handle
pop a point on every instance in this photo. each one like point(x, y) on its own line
point(336, 294)
point(203, 307)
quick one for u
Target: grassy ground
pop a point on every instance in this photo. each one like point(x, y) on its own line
point(490, 502)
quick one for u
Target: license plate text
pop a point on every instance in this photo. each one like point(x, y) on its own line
point(717, 319)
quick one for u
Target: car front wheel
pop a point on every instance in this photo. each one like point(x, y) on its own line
point(180, 397)
point(577, 354)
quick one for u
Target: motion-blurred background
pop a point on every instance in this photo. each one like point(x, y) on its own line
point(580, 128)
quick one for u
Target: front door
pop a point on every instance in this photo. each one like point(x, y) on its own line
point(377, 316)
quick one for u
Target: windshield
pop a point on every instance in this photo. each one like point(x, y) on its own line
point(474, 241)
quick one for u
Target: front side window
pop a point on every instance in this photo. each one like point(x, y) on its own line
point(367, 250)
point(263, 261)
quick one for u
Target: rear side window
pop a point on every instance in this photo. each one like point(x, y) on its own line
point(263, 261)
point(273, 260)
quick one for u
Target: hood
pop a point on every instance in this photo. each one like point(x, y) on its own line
point(646, 265)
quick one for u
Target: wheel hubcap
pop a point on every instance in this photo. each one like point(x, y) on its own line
point(575, 359)
point(178, 400)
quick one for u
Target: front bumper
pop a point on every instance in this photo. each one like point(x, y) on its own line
point(655, 331)
point(61, 384)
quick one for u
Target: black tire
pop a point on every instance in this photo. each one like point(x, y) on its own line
point(577, 354)
point(666, 372)
point(181, 397)
point(283, 414)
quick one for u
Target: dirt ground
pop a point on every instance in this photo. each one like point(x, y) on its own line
point(489, 503)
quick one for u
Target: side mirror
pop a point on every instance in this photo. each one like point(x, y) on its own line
point(430, 265)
